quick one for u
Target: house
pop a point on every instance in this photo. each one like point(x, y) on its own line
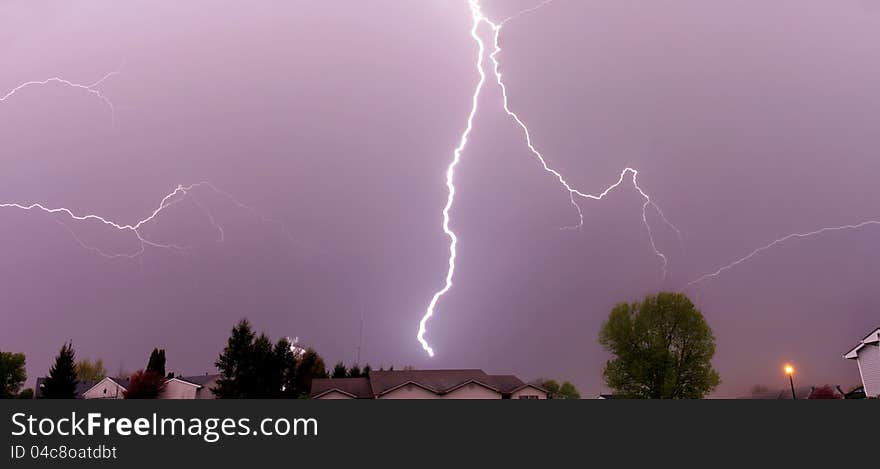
point(189, 387)
point(107, 388)
point(426, 384)
point(867, 355)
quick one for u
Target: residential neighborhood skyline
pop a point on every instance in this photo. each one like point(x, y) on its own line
point(93, 381)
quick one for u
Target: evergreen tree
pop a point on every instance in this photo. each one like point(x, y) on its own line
point(235, 364)
point(311, 366)
point(61, 382)
point(339, 371)
point(156, 363)
point(251, 367)
point(354, 371)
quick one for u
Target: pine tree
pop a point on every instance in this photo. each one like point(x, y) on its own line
point(235, 364)
point(61, 382)
point(339, 370)
point(156, 363)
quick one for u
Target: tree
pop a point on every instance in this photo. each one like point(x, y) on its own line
point(12, 374)
point(156, 364)
point(354, 371)
point(663, 349)
point(825, 392)
point(311, 366)
point(235, 363)
point(251, 367)
point(366, 371)
point(25, 394)
point(549, 385)
point(568, 391)
point(144, 384)
point(339, 370)
point(555, 391)
point(89, 371)
point(61, 382)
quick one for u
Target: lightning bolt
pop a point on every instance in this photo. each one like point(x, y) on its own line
point(776, 242)
point(169, 200)
point(172, 198)
point(573, 194)
point(89, 88)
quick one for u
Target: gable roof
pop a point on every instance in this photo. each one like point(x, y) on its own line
point(356, 388)
point(440, 382)
point(870, 339)
point(123, 383)
point(197, 381)
point(437, 381)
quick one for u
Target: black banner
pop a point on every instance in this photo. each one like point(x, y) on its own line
point(405, 433)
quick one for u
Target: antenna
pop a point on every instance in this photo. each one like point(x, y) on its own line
point(361, 337)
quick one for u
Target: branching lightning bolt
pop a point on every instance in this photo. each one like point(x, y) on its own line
point(169, 200)
point(172, 198)
point(776, 242)
point(573, 194)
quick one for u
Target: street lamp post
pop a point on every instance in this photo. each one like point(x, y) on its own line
point(789, 370)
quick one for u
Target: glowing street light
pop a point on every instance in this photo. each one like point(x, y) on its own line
point(789, 370)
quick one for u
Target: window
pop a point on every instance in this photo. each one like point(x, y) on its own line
point(529, 396)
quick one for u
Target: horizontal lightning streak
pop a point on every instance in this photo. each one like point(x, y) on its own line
point(775, 242)
point(169, 200)
point(90, 88)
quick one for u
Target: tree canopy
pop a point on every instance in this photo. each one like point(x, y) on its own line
point(156, 364)
point(662, 349)
point(61, 382)
point(252, 367)
point(12, 374)
point(90, 371)
point(557, 391)
point(144, 384)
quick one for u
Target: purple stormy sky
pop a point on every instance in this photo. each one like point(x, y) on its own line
point(747, 121)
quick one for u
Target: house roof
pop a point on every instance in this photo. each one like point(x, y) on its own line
point(435, 381)
point(357, 388)
point(509, 383)
point(197, 380)
point(82, 387)
point(873, 338)
point(438, 381)
point(121, 382)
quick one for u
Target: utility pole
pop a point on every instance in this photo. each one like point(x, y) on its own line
point(361, 337)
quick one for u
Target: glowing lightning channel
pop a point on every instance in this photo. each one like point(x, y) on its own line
point(168, 201)
point(775, 242)
point(172, 198)
point(450, 175)
point(90, 88)
point(478, 18)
